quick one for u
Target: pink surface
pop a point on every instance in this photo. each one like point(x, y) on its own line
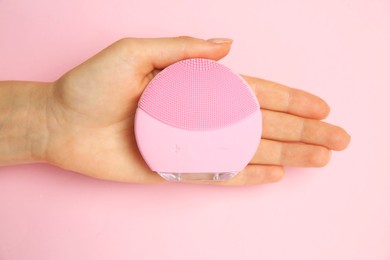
point(198, 95)
point(337, 49)
point(169, 149)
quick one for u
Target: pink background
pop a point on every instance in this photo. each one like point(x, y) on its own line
point(338, 49)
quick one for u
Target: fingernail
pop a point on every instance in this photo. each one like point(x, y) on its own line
point(220, 40)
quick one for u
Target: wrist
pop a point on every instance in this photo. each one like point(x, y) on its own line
point(23, 122)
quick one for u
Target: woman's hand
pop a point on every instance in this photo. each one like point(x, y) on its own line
point(90, 115)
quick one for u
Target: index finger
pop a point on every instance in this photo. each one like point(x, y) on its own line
point(277, 97)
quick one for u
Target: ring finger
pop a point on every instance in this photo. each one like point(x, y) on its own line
point(291, 154)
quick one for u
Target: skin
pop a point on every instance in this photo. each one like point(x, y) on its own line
point(84, 121)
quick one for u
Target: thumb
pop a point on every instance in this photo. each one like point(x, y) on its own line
point(159, 53)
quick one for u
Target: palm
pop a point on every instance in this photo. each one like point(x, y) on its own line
point(98, 118)
point(92, 117)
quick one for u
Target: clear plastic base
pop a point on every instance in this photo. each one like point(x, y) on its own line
point(197, 177)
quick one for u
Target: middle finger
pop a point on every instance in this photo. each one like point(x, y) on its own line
point(290, 154)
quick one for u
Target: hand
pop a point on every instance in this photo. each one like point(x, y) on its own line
point(90, 115)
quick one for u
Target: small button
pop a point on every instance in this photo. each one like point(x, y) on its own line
point(175, 148)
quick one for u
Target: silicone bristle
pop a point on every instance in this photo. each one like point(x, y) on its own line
point(198, 95)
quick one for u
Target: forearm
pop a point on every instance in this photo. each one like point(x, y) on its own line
point(22, 121)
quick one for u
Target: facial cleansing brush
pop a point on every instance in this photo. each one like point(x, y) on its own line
point(197, 120)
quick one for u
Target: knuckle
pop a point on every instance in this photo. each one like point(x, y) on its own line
point(123, 41)
point(128, 44)
point(184, 41)
point(184, 38)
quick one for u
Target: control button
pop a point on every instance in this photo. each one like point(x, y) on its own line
point(175, 148)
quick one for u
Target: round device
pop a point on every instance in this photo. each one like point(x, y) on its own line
point(197, 120)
